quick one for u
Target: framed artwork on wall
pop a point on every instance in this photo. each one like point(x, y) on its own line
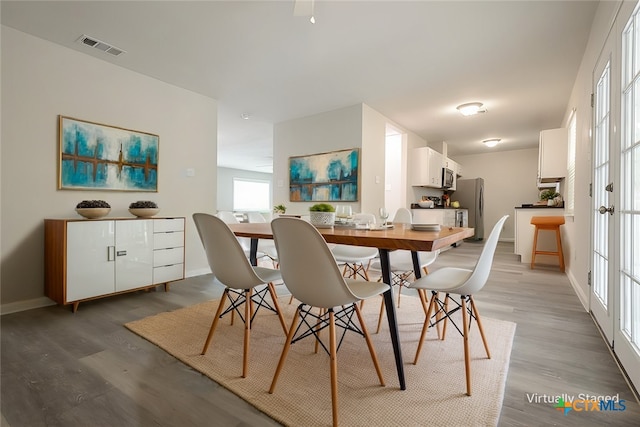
point(329, 176)
point(93, 156)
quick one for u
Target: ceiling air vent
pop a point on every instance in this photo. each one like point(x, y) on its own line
point(100, 45)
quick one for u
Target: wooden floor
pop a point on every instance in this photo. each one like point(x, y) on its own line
point(64, 369)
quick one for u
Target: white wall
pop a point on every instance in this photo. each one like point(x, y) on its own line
point(41, 80)
point(334, 130)
point(578, 228)
point(509, 181)
point(225, 185)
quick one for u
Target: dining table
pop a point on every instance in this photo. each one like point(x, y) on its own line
point(396, 236)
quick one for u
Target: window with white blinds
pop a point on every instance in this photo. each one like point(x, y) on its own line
point(569, 202)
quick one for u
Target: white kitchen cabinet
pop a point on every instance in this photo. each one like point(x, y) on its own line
point(87, 259)
point(552, 155)
point(425, 168)
point(446, 217)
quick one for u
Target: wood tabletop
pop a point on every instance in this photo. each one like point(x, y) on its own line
point(401, 236)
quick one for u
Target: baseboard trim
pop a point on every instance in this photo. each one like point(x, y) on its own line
point(584, 299)
point(14, 307)
point(198, 272)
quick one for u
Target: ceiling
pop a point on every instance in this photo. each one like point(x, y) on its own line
point(413, 62)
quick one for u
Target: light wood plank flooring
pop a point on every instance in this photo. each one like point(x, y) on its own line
point(64, 369)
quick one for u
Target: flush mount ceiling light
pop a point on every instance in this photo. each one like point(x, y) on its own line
point(471, 108)
point(491, 142)
point(245, 116)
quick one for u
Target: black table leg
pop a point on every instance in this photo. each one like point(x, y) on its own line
point(391, 316)
point(416, 264)
point(253, 252)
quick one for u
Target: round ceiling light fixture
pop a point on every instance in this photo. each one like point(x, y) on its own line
point(471, 108)
point(491, 142)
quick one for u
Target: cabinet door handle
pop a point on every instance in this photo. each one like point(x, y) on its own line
point(121, 253)
point(111, 251)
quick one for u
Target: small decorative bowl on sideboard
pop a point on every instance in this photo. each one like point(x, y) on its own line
point(144, 212)
point(93, 213)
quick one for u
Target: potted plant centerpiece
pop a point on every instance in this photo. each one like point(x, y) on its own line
point(279, 209)
point(93, 209)
point(322, 215)
point(551, 197)
point(144, 208)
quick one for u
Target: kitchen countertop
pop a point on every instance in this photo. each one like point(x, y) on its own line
point(416, 206)
point(539, 207)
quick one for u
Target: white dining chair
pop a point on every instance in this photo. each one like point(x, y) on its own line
point(229, 218)
point(232, 268)
point(313, 277)
point(355, 260)
point(464, 283)
point(265, 246)
point(401, 265)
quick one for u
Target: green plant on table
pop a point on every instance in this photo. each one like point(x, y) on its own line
point(279, 209)
point(548, 195)
point(322, 207)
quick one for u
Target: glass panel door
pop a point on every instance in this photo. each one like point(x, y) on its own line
point(601, 293)
point(627, 331)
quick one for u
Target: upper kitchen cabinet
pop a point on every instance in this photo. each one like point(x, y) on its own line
point(425, 168)
point(552, 155)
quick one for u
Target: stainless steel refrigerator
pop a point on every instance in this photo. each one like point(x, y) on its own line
point(470, 194)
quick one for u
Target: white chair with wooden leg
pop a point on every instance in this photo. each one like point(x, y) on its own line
point(232, 268)
point(401, 265)
point(465, 283)
point(356, 259)
point(313, 277)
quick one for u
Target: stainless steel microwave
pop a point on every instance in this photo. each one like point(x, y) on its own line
point(447, 178)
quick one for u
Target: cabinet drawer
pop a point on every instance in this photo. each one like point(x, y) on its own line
point(168, 273)
point(168, 240)
point(169, 224)
point(168, 256)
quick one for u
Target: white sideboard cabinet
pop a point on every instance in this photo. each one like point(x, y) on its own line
point(88, 259)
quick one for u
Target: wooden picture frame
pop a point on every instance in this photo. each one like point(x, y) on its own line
point(332, 176)
point(95, 156)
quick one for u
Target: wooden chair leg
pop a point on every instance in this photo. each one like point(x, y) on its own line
point(334, 367)
point(467, 358)
point(372, 351)
point(285, 350)
point(425, 328)
point(480, 328)
point(535, 247)
point(247, 332)
point(274, 297)
point(559, 244)
point(290, 299)
point(317, 340)
point(446, 319)
point(214, 323)
point(380, 315)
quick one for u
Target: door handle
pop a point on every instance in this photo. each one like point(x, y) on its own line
point(603, 210)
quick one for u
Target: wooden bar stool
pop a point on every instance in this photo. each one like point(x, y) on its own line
point(551, 223)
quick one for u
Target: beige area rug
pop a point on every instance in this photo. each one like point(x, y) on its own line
point(435, 386)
